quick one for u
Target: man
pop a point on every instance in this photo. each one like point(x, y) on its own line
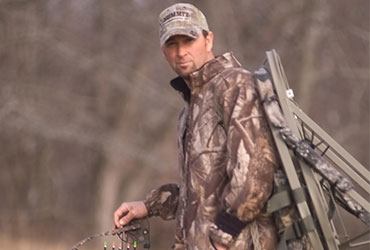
point(227, 159)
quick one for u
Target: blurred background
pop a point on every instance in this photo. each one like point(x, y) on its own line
point(88, 119)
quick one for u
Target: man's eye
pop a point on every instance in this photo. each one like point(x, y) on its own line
point(170, 43)
point(189, 39)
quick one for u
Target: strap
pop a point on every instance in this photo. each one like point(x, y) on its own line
point(331, 198)
point(283, 199)
point(299, 195)
point(278, 201)
point(229, 223)
point(295, 231)
point(307, 225)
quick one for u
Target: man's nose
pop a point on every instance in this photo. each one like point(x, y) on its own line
point(181, 50)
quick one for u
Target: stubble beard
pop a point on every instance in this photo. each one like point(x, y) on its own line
point(185, 73)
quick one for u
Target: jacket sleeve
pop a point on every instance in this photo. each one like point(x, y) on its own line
point(163, 201)
point(250, 163)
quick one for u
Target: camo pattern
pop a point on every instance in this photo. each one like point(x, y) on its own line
point(227, 162)
point(339, 183)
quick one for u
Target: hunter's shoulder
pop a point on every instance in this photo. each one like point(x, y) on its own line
point(236, 77)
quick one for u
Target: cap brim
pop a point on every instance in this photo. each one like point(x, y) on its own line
point(192, 32)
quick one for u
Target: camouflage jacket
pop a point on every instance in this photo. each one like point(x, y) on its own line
point(227, 163)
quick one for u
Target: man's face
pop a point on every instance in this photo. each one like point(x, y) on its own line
point(185, 54)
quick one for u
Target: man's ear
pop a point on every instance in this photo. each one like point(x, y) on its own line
point(209, 41)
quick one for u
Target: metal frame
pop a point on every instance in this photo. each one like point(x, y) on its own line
point(325, 235)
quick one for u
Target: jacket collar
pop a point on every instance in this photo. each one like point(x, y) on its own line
point(180, 85)
point(198, 78)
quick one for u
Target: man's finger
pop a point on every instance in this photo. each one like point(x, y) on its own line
point(122, 210)
point(127, 218)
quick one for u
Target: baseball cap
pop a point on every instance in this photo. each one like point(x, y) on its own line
point(181, 19)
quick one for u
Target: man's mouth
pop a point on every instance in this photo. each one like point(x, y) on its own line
point(183, 63)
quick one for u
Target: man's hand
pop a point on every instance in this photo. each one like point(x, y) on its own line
point(217, 246)
point(220, 247)
point(128, 211)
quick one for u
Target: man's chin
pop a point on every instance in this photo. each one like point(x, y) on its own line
point(185, 76)
point(184, 73)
